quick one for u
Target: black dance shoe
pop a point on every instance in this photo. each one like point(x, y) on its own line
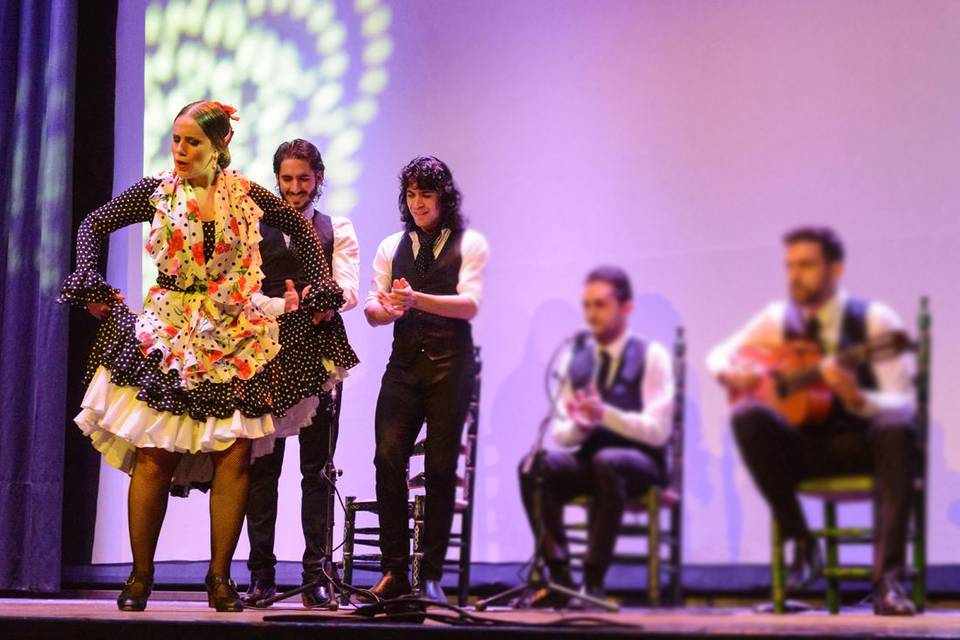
point(259, 589)
point(316, 596)
point(392, 585)
point(222, 594)
point(136, 592)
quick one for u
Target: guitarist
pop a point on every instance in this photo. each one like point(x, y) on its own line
point(869, 430)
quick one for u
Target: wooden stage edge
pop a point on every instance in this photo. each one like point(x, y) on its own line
point(178, 616)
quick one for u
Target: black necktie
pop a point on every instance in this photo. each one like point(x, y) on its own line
point(604, 373)
point(425, 255)
point(812, 330)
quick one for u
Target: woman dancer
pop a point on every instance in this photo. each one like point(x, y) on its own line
point(178, 392)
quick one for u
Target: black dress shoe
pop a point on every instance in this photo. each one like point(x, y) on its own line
point(433, 591)
point(807, 565)
point(259, 589)
point(136, 592)
point(889, 599)
point(222, 594)
point(392, 585)
point(316, 596)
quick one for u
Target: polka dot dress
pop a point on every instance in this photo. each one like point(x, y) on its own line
point(294, 373)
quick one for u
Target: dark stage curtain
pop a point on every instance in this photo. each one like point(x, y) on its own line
point(92, 186)
point(38, 58)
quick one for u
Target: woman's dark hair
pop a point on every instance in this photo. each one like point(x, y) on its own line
point(301, 150)
point(430, 174)
point(827, 238)
point(616, 277)
point(215, 122)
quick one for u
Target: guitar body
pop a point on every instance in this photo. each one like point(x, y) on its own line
point(807, 405)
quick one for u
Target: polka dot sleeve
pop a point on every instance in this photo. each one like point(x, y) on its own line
point(86, 284)
point(325, 294)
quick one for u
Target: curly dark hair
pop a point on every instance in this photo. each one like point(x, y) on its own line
point(430, 173)
point(301, 150)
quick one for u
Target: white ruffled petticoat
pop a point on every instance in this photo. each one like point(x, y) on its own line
point(118, 424)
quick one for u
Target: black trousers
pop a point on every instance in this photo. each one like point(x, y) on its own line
point(418, 389)
point(779, 456)
point(609, 477)
point(315, 492)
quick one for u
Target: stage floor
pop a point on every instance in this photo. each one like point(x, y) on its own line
point(179, 616)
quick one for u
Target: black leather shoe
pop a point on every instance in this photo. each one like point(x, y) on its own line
point(807, 565)
point(316, 596)
point(889, 599)
point(433, 591)
point(392, 585)
point(259, 589)
point(136, 592)
point(222, 594)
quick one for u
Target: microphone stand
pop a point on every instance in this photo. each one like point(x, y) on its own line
point(537, 579)
point(330, 474)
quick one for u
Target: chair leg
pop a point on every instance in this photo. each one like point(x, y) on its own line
point(833, 556)
point(349, 524)
point(466, 539)
point(419, 506)
point(920, 555)
point(676, 557)
point(653, 547)
point(777, 569)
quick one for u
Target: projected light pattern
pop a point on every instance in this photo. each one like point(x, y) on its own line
point(294, 69)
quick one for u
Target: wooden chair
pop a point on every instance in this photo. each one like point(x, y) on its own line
point(461, 537)
point(835, 490)
point(648, 510)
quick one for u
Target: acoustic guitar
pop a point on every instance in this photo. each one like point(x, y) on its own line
point(791, 383)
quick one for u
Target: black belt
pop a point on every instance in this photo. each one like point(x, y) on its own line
point(165, 281)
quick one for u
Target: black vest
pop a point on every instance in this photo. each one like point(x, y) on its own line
point(624, 393)
point(853, 330)
point(417, 331)
point(282, 263)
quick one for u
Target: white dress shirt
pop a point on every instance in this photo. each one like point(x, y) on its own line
point(652, 426)
point(474, 252)
point(346, 266)
point(894, 398)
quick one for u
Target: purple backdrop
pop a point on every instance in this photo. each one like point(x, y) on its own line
point(678, 139)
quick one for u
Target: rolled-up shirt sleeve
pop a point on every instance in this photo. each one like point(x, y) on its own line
point(654, 424)
point(474, 252)
point(346, 261)
point(763, 330)
point(893, 401)
point(565, 431)
point(383, 268)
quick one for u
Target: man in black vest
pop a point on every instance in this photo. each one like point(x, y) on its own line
point(870, 429)
point(428, 281)
point(299, 170)
point(617, 407)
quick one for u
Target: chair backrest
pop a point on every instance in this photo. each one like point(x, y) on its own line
point(675, 445)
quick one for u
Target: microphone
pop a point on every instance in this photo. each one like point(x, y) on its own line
point(580, 338)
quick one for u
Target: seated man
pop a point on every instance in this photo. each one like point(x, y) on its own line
point(869, 429)
point(617, 405)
